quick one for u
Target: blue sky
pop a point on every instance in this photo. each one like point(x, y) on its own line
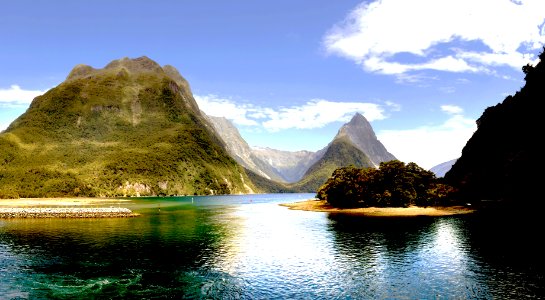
point(290, 73)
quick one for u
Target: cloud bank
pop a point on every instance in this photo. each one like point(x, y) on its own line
point(429, 146)
point(15, 96)
point(316, 113)
point(399, 36)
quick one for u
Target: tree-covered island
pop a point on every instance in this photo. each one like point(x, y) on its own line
point(393, 184)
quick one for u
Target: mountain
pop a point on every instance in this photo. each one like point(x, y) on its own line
point(291, 165)
point(239, 149)
point(502, 160)
point(355, 144)
point(441, 169)
point(272, 164)
point(341, 152)
point(130, 128)
point(361, 134)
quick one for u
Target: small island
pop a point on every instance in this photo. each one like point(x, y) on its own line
point(63, 208)
point(395, 189)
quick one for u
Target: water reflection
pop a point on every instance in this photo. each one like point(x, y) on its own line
point(404, 257)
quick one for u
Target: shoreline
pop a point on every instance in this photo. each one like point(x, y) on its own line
point(411, 211)
point(33, 208)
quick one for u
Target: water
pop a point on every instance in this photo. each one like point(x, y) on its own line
point(249, 247)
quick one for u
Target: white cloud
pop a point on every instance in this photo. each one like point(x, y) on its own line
point(452, 109)
point(3, 125)
point(15, 96)
point(316, 113)
point(216, 106)
point(450, 35)
point(429, 146)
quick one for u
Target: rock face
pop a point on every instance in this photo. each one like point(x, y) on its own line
point(501, 161)
point(130, 128)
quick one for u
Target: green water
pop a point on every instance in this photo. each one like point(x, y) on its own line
point(249, 247)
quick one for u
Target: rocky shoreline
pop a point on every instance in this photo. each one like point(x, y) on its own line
point(64, 212)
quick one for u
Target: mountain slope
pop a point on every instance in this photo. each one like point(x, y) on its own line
point(441, 169)
point(502, 160)
point(240, 150)
point(341, 152)
point(131, 128)
point(355, 144)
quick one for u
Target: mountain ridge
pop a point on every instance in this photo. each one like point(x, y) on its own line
point(305, 170)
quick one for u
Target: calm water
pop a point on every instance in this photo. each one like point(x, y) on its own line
point(249, 247)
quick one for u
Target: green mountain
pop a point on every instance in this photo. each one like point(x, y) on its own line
point(341, 152)
point(131, 128)
point(502, 160)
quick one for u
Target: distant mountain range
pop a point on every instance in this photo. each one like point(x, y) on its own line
point(355, 144)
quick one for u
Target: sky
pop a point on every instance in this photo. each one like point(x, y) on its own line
point(290, 73)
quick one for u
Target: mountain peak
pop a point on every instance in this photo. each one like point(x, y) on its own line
point(125, 65)
point(357, 126)
point(360, 132)
point(358, 119)
point(135, 65)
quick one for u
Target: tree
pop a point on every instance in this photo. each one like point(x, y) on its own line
point(394, 183)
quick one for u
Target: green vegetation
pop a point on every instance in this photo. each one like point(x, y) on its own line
point(111, 132)
point(393, 184)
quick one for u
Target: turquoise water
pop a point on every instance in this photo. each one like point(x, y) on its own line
point(249, 247)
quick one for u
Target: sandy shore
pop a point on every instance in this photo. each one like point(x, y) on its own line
point(64, 208)
point(322, 206)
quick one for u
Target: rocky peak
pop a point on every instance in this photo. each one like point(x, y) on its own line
point(360, 132)
point(357, 127)
point(135, 65)
point(127, 66)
